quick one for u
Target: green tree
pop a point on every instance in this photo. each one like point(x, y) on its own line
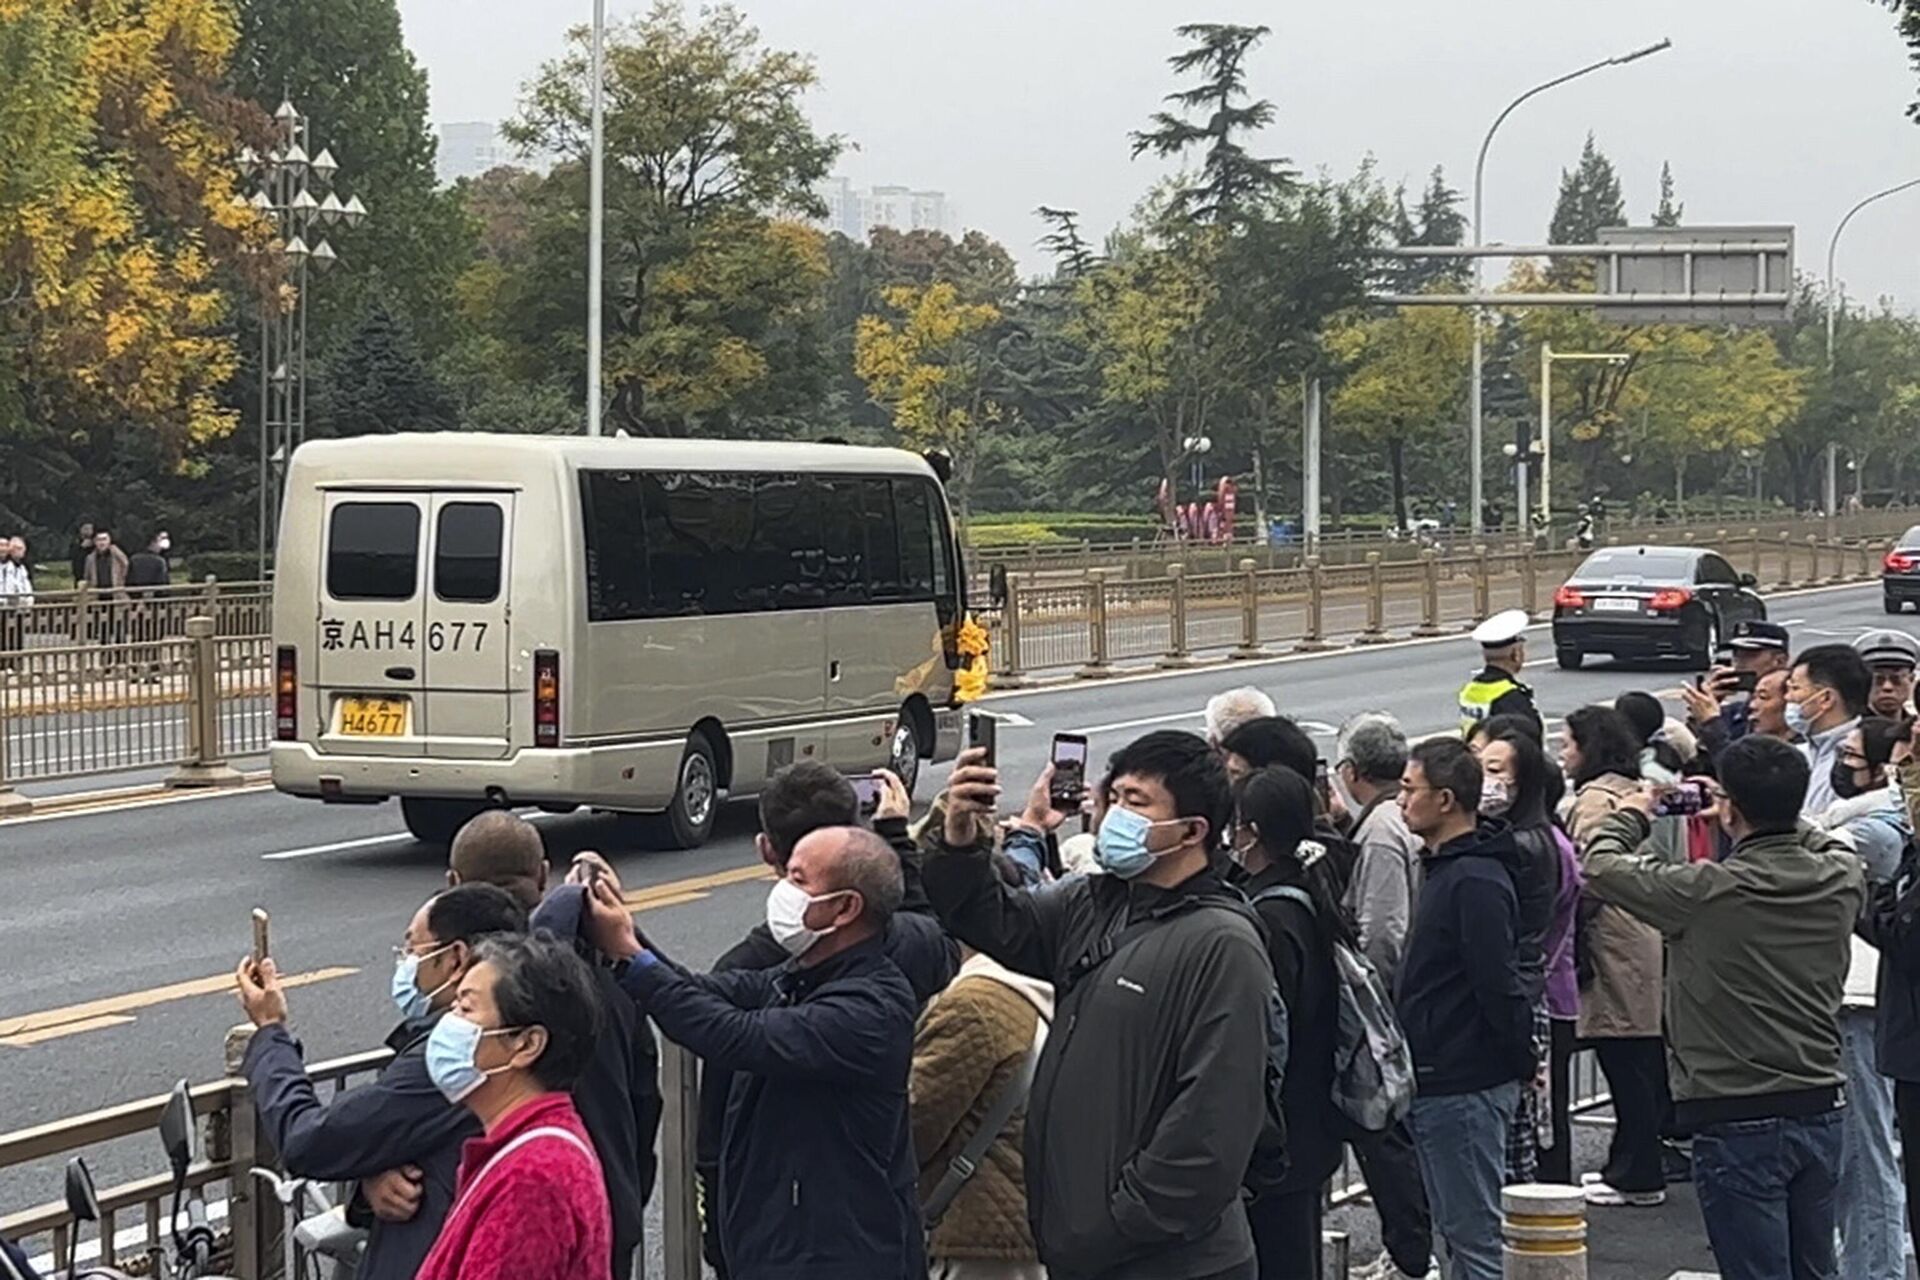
point(1670, 211)
point(346, 66)
point(1231, 178)
point(1402, 380)
point(712, 299)
point(1072, 256)
point(378, 384)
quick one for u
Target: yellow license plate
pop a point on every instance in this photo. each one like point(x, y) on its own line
point(373, 717)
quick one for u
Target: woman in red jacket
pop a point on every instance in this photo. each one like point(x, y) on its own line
point(531, 1202)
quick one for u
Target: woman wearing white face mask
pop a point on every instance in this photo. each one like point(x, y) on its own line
point(396, 1136)
point(532, 1201)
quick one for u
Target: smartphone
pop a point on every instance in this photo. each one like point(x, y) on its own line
point(982, 731)
point(1746, 681)
point(866, 789)
point(1069, 771)
point(260, 921)
point(1323, 784)
point(1682, 800)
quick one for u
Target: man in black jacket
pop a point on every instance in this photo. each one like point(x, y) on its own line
point(398, 1137)
point(1145, 1106)
point(1463, 1002)
point(618, 1093)
point(800, 799)
point(817, 1177)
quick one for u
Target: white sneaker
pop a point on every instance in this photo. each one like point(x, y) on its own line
point(1599, 1193)
point(1591, 1177)
point(1384, 1268)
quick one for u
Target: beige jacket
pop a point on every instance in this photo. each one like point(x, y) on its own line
point(1623, 1001)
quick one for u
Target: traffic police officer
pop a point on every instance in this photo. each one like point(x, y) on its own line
point(1892, 656)
point(1496, 690)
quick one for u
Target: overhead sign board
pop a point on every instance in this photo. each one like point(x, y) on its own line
point(1734, 275)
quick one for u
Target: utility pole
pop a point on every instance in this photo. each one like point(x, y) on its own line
point(596, 211)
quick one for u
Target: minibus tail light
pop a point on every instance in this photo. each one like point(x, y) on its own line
point(546, 698)
point(286, 693)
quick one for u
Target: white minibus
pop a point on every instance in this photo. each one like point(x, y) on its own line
point(644, 626)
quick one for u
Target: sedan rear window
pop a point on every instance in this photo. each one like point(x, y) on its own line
point(1631, 562)
point(1910, 540)
point(373, 551)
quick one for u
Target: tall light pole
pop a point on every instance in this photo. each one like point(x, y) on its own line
point(289, 175)
point(1479, 175)
point(596, 207)
point(1832, 494)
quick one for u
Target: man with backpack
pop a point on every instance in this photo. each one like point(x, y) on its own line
point(1463, 1003)
point(1141, 1119)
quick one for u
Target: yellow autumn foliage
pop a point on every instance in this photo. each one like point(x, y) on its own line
point(109, 245)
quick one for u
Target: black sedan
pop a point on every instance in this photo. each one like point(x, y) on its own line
point(1900, 572)
point(1651, 602)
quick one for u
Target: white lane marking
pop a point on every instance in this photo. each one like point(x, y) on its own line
point(1541, 662)
point(1118, 725)
point(336, 847)
point(1012, 719)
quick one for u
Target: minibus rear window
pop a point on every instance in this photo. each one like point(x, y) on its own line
point(466, 553)
point(373, 551)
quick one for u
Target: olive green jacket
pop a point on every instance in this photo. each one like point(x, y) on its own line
point(1757, 953)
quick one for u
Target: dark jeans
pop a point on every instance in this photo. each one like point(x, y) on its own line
point(1286, 1234)
point(1556, 1161)
point(1906, 1114)
point(1767, 1194)
point(1392, 1170)
point(1637, 1078)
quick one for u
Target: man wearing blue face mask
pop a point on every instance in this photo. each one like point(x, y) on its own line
point(815, 1174)
point(1147, 1101)
point(1827, 692)
point(397, 1137)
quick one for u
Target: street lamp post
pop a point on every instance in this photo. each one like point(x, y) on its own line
point(596, 209)
point(1832, 494)
point(1547, 356)
point(1474, 429)
point(289, 175)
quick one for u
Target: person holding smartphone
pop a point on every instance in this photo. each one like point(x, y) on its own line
point(1719, 706)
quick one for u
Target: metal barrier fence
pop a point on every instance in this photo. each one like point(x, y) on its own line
point(1183, 617)
point(236, 1142)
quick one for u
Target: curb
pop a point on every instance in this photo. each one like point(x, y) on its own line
point(128, 797)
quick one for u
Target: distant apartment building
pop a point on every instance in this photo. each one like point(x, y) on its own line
point(856, 213)
point(469, 148)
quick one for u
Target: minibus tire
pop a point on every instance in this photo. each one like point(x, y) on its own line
point(676, 827)
point(438, 821)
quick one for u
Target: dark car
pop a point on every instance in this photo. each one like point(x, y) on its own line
point(1900, 572)
point(1651, 602)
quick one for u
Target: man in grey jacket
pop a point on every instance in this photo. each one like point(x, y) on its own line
point(1146, 1102)
point(1372, 753)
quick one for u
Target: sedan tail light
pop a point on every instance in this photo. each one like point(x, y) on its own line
point(286, 693)
point(1900, 562)
point(546, 698)
point(1669, 598)
point(1569, 598)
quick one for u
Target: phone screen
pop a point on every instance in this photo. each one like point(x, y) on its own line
point(1683, 800)
point(866, 788)
point(1322, 783)
point(1069, 771)
point(1746, 681)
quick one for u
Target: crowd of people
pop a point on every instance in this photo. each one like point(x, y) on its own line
point(983, 1046)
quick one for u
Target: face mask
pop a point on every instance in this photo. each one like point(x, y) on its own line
point(1495, 799)
point(1797, 720)
point(1843, 781)
point(450, 1051)
point(164, 544)
point(787, 905)
point(413, 1003)
point(1121, 845)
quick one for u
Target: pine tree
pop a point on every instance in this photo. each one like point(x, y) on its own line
point(1589, 200)
point(1439, 222)
point(378, 383)
point(1231, 180)
point(1073, 257)
point(1670, 211)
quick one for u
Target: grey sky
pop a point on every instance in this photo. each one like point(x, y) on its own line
point(1769, 110)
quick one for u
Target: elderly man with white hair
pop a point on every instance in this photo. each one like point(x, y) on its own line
point(1228, 711)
